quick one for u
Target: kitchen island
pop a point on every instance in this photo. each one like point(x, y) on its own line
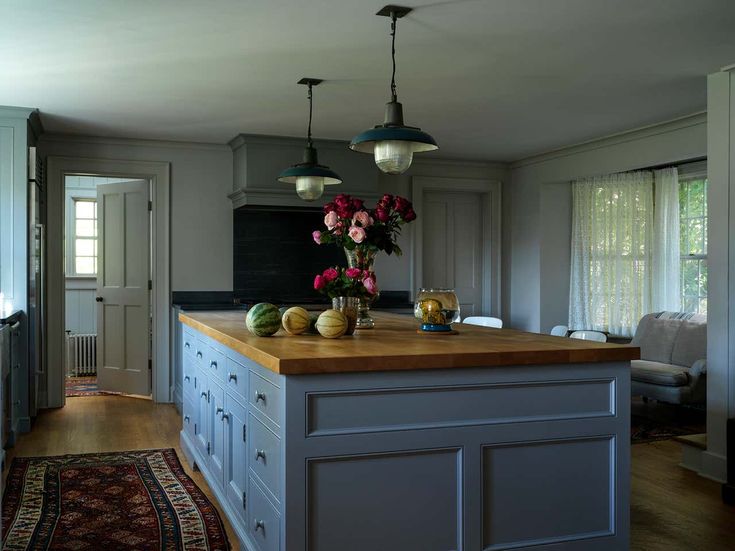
point(392, 440)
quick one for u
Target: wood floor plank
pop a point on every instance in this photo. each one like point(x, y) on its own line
point(672, 509)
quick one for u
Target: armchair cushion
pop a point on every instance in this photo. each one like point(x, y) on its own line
point(691, 344)
point(657, 342)
point(659, 373)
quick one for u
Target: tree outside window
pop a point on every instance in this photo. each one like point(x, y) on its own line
point(693, 240)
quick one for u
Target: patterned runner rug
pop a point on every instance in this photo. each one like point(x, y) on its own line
point(119, 501)
point(84, 386)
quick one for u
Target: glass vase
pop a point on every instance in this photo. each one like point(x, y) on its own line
point(364, 259)
point(349, 306)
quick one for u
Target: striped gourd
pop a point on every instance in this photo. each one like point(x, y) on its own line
point(331, 324)
point(295, 320)
point(263, 319)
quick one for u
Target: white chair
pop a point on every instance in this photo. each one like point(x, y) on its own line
point(589, 336)
point(485, 321)
point(559, 331)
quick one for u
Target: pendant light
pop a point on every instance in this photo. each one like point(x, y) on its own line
point(393, 143)
point(309, 176)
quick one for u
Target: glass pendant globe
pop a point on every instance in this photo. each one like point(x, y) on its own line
point(309, 188)
point(393, 156)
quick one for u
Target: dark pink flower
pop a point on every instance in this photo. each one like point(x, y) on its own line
point(329, 207)
point(317, 235)
point(353, 273)
point(382, 214)
point(319, 282)
point(330, 274)
point(401, 204)
point(410, 215)
point(343, 200)
point(386, 201)
point(357, 204)
point(370, 285)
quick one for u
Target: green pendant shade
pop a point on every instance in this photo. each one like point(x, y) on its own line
point(309, 176)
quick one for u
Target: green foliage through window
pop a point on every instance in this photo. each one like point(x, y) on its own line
point(693, 239)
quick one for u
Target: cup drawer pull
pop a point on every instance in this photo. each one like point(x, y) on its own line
point(260, 454)
point(259, 396)
point(231, 377)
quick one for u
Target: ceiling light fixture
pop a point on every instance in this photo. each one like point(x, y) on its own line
point(392, 142)
point(309, 176)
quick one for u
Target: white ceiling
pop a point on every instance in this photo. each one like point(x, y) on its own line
point(493, 80)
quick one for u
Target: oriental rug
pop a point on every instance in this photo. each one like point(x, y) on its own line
point(117, 501)
point(84, 386)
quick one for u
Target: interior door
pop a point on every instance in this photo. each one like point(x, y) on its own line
point(123, 297)
point(452, 246)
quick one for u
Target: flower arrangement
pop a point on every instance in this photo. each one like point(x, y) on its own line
point(346, 282)
point(351, 225)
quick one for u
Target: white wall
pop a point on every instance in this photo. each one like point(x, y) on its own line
point(537, 212)
point(201, 213)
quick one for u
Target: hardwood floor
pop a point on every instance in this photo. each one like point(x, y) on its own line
point(672, 509)
point(109, 423)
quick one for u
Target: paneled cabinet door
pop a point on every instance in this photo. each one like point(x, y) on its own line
point(236, 467)
point(217, 434)
point(201, 430)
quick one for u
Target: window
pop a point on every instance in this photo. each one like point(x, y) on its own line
point(85, 237)
point(693, 239)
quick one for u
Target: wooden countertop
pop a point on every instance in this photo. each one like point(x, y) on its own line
point(394, 345)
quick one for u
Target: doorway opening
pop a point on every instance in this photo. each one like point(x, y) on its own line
point(107, 283)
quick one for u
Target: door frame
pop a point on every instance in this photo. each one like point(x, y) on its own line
point(158, 173)
point(491, 224)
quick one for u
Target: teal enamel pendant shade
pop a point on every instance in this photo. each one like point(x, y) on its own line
point(309, 176)
point(393, 143)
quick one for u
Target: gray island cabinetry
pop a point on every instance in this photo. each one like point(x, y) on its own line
point(388, 440)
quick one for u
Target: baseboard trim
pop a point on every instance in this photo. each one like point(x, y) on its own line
point(196, 461)
point(714, 467)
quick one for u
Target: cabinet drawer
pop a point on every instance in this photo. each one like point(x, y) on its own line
point(264, 456)
point(214, 361)
point(264, 521)
point(265, 396)
point(237, 378)
point(189, 373)
point(189, 342)
point(189, 419)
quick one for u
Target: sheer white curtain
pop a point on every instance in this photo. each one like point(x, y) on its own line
point(666, 283)
point(612, 233)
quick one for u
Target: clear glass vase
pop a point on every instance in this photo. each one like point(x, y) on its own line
point(349, 306)
point(364, 259)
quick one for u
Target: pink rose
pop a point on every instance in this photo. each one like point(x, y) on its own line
point(370, 285)
point(357, 234)
point(317, 235)
point(331, 219)
point(330, 274)
point(338, 228)
point(361, 218)
point(353, 273)
point(319, 282)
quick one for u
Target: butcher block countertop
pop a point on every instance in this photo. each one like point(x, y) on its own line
point(394, 345)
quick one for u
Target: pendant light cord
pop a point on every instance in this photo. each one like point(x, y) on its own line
point(308, 134)
point(393, 94)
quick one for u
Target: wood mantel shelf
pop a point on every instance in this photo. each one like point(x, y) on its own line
point(394, 345)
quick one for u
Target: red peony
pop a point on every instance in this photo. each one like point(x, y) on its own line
point(382, 214)
point(329, 207)
point(353, 273)
point(357, 204)
point(401, 204)
point(330, 274)
point(410, 215)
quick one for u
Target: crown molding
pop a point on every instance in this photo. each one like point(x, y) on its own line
point(695, 119)
point(11, 112)
point(57, 137)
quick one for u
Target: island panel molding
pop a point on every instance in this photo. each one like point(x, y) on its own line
point(394, 345)
point(504, 456)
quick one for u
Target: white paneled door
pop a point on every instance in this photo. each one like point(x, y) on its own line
point(123, 302)
point(453, 245)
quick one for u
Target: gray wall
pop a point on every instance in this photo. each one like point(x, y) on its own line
point(537, 212)
point(201, 214)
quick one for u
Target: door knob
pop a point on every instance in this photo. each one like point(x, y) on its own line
point(98, 299)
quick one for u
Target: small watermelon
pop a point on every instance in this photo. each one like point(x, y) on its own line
point(295, 320)
point(331, 324)
point(263, 320)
